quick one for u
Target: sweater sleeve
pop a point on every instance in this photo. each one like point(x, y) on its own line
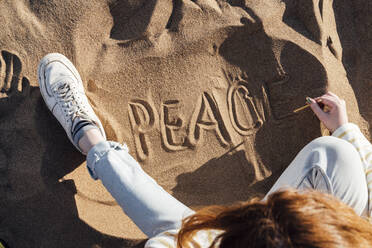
point(163, 240)
point(168, 239)
point(351, 133)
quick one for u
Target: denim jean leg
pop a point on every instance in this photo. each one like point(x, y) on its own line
point(330, 165)
point(150, 207)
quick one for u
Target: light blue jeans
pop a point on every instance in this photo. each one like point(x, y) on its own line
point(327, 164)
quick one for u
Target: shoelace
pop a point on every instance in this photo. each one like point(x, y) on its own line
point(69, 100)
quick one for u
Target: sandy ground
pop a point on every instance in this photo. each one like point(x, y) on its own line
point(201, 91)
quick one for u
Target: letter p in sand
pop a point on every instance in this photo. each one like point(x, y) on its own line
point(142, 120)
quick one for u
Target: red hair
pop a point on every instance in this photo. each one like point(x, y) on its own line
point(287, 219)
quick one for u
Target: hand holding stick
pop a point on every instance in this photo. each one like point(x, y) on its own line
point(329, 108)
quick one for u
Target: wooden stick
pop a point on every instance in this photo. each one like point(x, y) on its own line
point(304, 107)
point(301, 108)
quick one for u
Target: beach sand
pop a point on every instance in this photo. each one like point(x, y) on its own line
point(201, 91)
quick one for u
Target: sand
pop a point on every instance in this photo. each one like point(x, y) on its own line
point(201, 91)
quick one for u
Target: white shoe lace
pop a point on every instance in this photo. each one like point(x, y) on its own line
point(70, 101)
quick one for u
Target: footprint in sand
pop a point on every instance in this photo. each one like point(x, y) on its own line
point(4, 183)
point(12, 82)
point(13, 88)
point(13, 85)
point(319, 19)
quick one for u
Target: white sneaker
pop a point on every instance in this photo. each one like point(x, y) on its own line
point(63, 93)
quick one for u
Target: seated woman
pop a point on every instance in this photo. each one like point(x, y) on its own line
point(328, 177)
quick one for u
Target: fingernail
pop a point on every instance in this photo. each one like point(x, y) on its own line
point(308, 100)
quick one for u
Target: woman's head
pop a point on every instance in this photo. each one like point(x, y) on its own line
point(287, 219)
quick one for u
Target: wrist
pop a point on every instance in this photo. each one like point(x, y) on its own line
point(341, 129)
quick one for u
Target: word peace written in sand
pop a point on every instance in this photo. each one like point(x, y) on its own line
point(208, 116)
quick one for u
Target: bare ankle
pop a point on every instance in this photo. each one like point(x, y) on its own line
point(90, 138)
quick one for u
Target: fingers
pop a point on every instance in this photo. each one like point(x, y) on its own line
point(329, 93)
point(331, 100)
point(317, 110)
point(327, 101)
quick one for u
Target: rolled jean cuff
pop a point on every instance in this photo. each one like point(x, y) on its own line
point(97, 152)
